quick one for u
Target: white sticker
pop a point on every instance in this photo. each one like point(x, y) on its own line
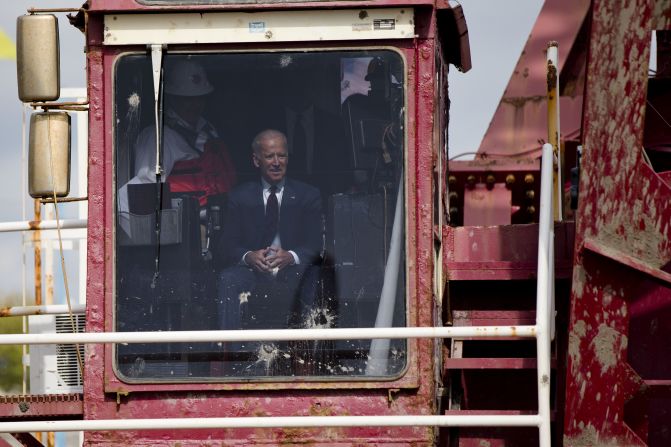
point(257, 27)
point(384, 24)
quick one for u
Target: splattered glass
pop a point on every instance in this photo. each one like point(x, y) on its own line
point(341, 214)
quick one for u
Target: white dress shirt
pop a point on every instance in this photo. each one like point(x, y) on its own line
point(277, 242)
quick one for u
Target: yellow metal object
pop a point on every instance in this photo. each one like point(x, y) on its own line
point(7, 47)
point(553, 127)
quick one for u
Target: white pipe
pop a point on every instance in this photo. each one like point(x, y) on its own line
point(378, 355)
point(24, 216)
point(530, 420)
point(544, 295)
point(270, 334)
point(53, 309)
point(28, 225)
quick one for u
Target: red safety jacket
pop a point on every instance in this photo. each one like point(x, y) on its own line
point(211, 173)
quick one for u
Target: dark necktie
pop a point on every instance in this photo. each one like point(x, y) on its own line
point(272, 216)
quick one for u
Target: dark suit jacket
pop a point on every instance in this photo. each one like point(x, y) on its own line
point(300, 224)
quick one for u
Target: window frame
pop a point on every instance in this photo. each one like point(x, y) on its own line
point(406, 378)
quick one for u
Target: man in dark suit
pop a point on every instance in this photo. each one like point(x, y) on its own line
point(271, 245)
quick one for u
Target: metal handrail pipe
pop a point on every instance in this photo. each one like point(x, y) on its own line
point(544, 310)
point(49, 309)
point(270, 335)
point(33, 225)
point(493, 420)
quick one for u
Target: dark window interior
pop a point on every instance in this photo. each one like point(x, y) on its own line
point(349, 150)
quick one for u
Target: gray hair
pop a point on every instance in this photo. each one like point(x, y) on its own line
point(267, 134)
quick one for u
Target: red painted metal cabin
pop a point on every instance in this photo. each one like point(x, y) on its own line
point(418, 64)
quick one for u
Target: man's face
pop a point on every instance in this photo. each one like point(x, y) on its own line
point(272, 159)
point(189, 108)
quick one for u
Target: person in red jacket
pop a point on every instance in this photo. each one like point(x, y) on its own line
point(195, 160)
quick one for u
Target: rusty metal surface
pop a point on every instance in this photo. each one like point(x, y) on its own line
point(503, 252)
point(99, 247)
point(491, 177)
point(624, 209)
point(490, 363)
point(520, 120)
point(625, 259)
point(495, 318)
point(485, 205)
point(41, 405)
point(245, 399)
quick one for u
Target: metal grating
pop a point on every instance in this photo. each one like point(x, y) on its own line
point(66, 361)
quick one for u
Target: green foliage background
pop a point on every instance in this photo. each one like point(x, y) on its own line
point(10, 356)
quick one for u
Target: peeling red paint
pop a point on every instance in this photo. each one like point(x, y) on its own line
point(623, 205)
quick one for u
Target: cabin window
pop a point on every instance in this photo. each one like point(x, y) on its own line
point(279, 205)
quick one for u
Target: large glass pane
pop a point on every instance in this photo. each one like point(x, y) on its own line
point(280, 205)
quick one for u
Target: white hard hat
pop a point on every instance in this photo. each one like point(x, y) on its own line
point(186, 78)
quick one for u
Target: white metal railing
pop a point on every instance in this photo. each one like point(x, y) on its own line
point(48, 309)
point(545, 294)
point(543, 331)
point(272, 422)
point(31, 225)
point(270, 334)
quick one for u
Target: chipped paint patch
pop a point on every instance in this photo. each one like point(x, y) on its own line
point(607, 345)
point(608, 295)
point(578, 332)
point(579, 280)
point(587, 436)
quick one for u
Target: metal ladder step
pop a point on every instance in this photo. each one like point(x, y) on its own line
point(492, 363)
